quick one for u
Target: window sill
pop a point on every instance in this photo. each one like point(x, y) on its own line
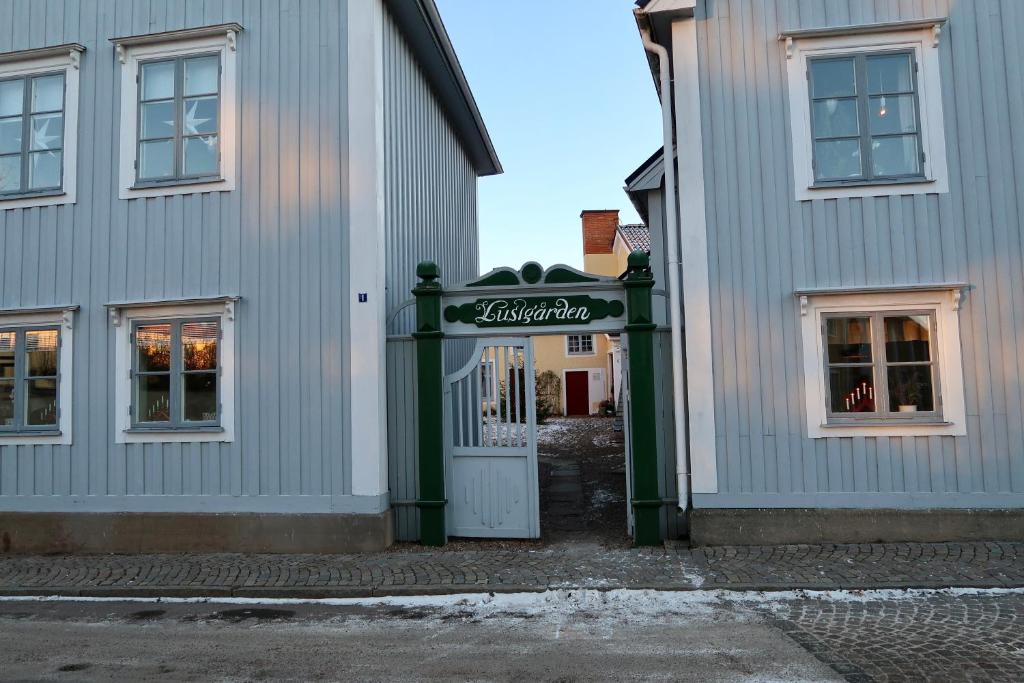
point(895, 422)
point(29, 434)
point(185, 182)
point(882, 182)
point(170, 430)
point(31, 195)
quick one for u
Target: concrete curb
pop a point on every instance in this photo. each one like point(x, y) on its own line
point(335, 592)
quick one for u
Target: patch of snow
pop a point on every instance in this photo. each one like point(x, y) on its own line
point(603, 498)
point(563, 601)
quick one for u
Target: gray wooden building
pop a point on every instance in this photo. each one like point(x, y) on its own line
point(206, 212)
point(851, 250)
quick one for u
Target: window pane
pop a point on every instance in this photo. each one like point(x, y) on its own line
point(44, 170)
point(154, 398)
point(158, 81)
point(837, 159)
point(156, 159)
point(907, 339)
point(895, 156)
point(200, 399)
point(835, 118)
point(10, 135)
point(889, 73)
point(48, 93)
point(200, 155)
point(832, 78)
point(41, 402)
point(12, 97)
point(201, 75)
point(199, 116)
point(47, 131)
point(41, 352)
point(10, 173)
point(7, 341)
point(910, 388)
point(199, 345)
point(892, 114)
point(849, 340)
point(6, 403)
point(851, 390)
point(154, 348)
point(157, 120)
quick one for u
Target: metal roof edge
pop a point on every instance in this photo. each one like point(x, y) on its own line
point(420, 23)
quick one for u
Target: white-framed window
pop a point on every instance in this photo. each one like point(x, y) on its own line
point(35, 376)
point(175, 370)
point(579, 345)
point(39, 126)
point(883, 363)
point(179, 110)
point(866, 111)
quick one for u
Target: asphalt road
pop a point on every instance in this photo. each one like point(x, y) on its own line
point(569, 636)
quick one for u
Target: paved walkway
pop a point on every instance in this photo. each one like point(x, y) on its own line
point(415, 570)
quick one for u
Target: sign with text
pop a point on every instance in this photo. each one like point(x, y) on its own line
point(533, 311)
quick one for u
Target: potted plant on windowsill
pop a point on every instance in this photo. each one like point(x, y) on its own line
point(907, 395)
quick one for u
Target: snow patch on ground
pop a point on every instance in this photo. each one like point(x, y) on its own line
point(560, 602)
point(603, 497)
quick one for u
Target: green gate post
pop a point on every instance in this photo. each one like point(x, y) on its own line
point(430, 407)
point(642, 425)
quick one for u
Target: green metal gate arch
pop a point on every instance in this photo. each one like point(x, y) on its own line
point(509, 302)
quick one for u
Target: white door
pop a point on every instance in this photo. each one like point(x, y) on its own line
point(491, 443)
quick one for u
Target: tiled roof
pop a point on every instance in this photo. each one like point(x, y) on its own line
point(636, 236)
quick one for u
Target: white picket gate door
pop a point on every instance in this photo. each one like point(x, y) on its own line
point(491, 443)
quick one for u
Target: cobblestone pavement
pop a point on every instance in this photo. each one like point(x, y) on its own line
point(413, 569)
point(937, 638)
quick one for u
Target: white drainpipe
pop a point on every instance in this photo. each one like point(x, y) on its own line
point(672, 243)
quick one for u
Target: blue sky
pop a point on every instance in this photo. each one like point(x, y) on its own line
point(566, 94)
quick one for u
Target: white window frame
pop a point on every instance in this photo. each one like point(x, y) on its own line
point(62, 58)
point(920, 38)
point(62, 317)
point(943, 302)
point(123, 316)
point(219, 40)
point(577, 354)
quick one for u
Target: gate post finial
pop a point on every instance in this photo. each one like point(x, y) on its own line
point(429, 405)
point(640, 327)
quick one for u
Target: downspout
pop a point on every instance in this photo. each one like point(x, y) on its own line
point(672, 244)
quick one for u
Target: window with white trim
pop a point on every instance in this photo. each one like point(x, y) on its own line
point(29, 379)
point(866, 110)
point(176, 373)
point(38, 126)
point(179, 120)
point(579, 344)
point(35, 376)
point(884, 363)
point(864, 118)
point(175, 363)
point(178, 112)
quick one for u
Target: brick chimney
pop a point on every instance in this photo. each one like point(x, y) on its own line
point(599, 226)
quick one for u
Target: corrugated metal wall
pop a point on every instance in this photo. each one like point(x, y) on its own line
point(277, 241)
point(763, 244)
point(431, 214)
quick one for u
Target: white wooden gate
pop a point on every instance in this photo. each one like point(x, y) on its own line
point(491, 443)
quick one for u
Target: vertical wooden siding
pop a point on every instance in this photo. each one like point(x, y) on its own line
point(763, 244)
point(277, 241)
point(430, 199)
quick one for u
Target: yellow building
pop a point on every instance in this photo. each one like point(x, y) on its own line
point(588, 365)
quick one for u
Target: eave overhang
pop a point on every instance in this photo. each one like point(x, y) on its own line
point(657, 16)
point(421, 25)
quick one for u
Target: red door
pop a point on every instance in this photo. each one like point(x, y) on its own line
point(577, 396)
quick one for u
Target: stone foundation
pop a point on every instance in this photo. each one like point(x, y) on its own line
point(769, 526)
point(171, 532)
